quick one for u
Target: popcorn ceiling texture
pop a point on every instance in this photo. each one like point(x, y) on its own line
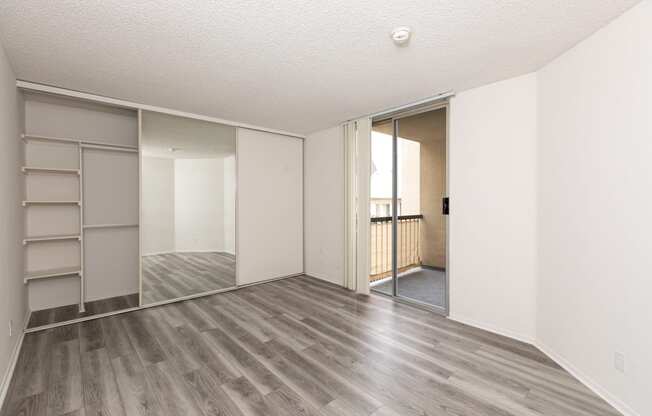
point(293, 65)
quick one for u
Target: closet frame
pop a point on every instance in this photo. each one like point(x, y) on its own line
point(31, 87)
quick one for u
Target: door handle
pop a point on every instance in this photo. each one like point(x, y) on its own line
point(445, 205)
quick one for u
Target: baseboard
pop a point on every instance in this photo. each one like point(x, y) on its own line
point(157, 253)
point(13, 360)
point(324, 278)
point(587, 381)
point(596, 388)
point(199, 251)
point(528, 339)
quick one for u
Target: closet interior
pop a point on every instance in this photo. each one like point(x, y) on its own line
point(81, 208)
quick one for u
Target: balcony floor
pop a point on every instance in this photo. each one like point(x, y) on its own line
point(423, 284)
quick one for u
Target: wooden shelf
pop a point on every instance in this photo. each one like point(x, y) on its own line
point(45, 274)
point(51, 238)
point(32, 169)
point(26, 203)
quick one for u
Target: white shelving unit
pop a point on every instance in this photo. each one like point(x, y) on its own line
point(50, 273)
point(74, 216)
point(45, 238)
point(73, 235)
point(85, 142)
point(26, 203)
point(33, 169)
point(95, 226)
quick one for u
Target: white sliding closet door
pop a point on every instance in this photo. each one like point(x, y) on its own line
point(270, 206)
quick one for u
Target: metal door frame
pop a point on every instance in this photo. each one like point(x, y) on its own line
point(395, 117)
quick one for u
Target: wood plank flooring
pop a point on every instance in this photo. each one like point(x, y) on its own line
point(297, 346)
point(70, 312)
point(173, 275)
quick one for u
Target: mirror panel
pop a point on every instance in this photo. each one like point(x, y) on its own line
point(188, 179)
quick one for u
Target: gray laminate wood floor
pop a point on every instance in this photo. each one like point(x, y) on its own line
point(173, 275)
point(293, 347)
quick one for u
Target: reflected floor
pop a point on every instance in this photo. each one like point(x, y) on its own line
point(425, 285)
point(173, 275)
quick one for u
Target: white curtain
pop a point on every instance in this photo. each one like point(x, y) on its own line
point(357, 141)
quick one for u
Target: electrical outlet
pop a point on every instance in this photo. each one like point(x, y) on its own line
point(11, 328)
point(619, 362)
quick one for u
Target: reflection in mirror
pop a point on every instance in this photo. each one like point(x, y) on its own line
point(187, 208)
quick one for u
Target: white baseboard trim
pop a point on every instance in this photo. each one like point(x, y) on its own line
point(596, 388)
point(13, 360)
point(156, 253)
point(325, 278)
point(200, 251)
point(528, 339)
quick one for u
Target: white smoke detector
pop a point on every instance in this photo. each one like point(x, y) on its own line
point(401, 35)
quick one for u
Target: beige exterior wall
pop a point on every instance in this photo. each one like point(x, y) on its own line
point(430, 131)
point(409, 171)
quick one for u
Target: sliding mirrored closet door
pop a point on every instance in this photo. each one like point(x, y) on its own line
point(188, 174)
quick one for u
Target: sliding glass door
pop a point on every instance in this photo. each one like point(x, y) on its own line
point(408, 207)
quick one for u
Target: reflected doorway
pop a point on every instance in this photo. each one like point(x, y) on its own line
point(188, 174)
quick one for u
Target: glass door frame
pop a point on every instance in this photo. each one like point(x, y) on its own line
point(395, 117)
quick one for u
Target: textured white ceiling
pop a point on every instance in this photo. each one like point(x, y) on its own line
point(287, 64)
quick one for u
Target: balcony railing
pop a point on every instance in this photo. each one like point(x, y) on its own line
point(408, 245)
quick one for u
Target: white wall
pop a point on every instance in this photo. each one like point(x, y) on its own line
point(199, 204)
point(157, 205)
point(188, 205)
point(595, 215)
point(324, 204)
point(13, 298)
point(492, 186)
